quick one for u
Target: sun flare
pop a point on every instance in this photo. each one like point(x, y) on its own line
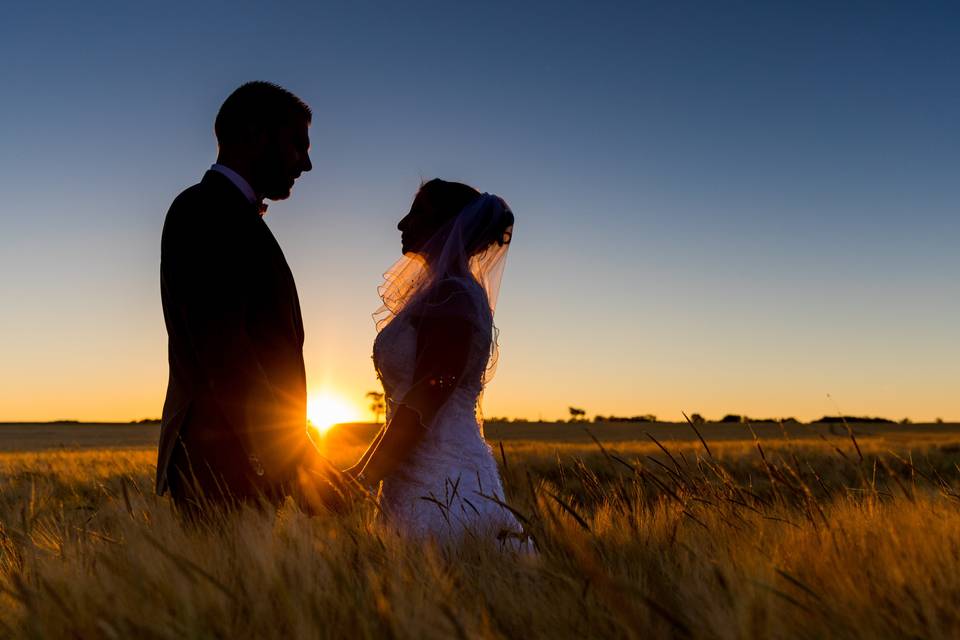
point(325, 410)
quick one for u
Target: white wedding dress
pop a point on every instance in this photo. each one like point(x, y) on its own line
point(444, 489)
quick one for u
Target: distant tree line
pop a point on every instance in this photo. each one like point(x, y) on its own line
point(577, 414)
point(736, 418)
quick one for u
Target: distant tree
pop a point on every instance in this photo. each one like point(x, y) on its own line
point(697, 419)
point(906, 421)
point(732, 417)
point(939, 420)
point(377, 404)
point(576, 414)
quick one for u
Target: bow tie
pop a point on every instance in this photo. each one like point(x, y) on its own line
point(261, 207)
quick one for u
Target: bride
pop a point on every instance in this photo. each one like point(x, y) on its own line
point(435, 350)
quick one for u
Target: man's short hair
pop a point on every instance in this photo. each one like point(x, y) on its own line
point(257, 106)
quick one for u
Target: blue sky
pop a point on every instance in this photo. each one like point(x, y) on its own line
point(722, 207)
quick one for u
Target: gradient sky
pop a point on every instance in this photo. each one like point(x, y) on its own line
point(721, 206)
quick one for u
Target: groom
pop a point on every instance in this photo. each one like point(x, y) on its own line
point(234, 418)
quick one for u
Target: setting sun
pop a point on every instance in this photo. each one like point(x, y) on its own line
point(325, 410)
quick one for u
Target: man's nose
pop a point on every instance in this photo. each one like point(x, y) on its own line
point(307, 165)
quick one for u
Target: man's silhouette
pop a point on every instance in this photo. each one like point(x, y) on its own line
point(234, 419)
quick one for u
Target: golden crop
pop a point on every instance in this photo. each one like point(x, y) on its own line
point(771, 539)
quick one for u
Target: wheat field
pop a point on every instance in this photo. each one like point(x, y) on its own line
point(827, 536)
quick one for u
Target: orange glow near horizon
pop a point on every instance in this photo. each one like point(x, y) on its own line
point(326, 409)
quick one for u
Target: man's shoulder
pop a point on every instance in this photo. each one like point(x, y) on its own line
point(193, 197)
point(199, 205)
point(190, 214)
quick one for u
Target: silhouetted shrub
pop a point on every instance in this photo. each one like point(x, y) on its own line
point(841, 419)
point(647, 417)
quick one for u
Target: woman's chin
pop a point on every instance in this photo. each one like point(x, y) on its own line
point(414, 255)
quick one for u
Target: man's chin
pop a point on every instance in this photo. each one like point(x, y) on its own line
point(278, 194)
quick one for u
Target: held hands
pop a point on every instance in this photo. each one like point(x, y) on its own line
point(355, 473)
point(361, 481)
point(322, 487)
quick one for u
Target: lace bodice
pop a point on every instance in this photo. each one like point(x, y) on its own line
point(450, 480)
point(394, 357)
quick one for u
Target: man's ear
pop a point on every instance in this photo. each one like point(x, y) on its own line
point(259, 139)
point(255, 138)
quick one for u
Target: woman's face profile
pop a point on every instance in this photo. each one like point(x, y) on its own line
point(418, 225)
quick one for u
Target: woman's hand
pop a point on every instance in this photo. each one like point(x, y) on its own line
point(354, 473)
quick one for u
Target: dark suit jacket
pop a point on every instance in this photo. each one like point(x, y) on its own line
point(237, 384)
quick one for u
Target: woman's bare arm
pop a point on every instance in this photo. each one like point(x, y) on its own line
point(358, 466)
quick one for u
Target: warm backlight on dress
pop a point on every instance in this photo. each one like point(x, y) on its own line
point(325, 410)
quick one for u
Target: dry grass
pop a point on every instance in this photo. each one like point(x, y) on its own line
point(789, 540)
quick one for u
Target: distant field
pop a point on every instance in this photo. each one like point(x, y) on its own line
point(44, 436)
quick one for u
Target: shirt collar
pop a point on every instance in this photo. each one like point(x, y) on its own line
point(238, 181)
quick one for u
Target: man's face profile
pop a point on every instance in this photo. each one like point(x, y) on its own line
point(284, 155)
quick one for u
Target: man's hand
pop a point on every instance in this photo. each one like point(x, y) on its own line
point(327, 489)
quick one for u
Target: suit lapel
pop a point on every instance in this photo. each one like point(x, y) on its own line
point(286, 276)
point(265, 240)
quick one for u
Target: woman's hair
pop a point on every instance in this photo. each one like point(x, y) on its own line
point(447, 199)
